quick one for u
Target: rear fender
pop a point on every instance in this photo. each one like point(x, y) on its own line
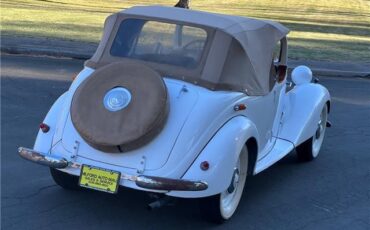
point(302, 111)
point(222, 153)
point(44, 141)
point(57, 115)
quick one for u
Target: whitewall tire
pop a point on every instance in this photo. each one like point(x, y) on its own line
point(310, 149)
point(221, 207)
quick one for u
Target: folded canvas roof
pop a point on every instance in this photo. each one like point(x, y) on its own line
point(256, 37)
point(229, 23)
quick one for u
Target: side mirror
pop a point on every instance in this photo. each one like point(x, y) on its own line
point(301, 75)
point(281, 73)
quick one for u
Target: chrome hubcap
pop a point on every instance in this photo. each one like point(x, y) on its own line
point(319, 129)
point(229, 199)
point(319, 135)
point(234, 182)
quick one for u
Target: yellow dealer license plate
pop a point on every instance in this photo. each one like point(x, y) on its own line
point(104, 180)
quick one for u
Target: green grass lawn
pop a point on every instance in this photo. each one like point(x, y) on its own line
point(336, 30)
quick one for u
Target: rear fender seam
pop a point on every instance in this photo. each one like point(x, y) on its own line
point(210, 139)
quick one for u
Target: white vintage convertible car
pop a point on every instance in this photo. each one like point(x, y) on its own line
point(185, 104)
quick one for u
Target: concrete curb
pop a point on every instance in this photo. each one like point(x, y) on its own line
point(340, 73)
point(47, 46)
point(84, 50)
point(45, 52)
point(334, 69)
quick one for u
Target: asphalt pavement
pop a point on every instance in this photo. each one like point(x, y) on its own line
point(332, 192)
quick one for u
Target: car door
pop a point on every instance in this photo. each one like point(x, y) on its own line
point(266, 111)
point(262, 110)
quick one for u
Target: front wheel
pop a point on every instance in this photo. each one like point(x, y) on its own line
point(221, 207)
point(309, 150)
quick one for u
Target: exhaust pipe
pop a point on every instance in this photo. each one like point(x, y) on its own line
point(160, 202)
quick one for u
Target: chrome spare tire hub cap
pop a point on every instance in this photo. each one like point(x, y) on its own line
point(116, 99)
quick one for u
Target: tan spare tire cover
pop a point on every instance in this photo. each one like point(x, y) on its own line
point(121, 106)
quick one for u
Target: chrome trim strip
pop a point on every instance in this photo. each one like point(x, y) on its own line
point(147, 182)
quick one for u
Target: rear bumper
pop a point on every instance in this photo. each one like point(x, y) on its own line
point(142, 181)
point(43, 159)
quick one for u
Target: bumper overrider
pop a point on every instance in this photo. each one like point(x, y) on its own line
point(146, 182)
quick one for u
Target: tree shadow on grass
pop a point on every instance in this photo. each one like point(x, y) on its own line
point(76, 4)
point(52, 25)
point(64, 7)
point(319, 49)
point(332, 29)
point(274, 10)
point(56, 30)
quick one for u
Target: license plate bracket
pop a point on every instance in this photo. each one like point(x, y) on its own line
point(100, 179)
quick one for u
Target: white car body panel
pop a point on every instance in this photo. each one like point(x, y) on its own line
point(280, 150)
point(303, 105)
point(265, 112)
point(86, 72)
point(222, 153)
point(157, 151)
point(44, 141)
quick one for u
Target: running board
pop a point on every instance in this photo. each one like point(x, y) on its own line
point(280, 150)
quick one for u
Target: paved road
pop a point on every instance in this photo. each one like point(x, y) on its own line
point(332, 192)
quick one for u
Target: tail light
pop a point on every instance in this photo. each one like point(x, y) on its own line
point(240, 107)
point(44, 127)
point(204, 165)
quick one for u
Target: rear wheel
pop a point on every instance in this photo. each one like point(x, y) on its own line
point(221, 207)
point(309, 150)
point(64, 180)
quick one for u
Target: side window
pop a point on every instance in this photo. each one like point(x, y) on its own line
point(274, 64)
point(192, 34)
point(155, 37)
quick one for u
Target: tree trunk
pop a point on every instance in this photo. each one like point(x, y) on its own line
point(183, 4)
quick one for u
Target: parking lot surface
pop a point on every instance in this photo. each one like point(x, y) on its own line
point(332, 192)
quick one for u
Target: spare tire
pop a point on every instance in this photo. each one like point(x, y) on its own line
point(120, 107)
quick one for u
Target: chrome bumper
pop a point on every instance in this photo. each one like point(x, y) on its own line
point(161, 183)
point(147, 182)
point(42, 159)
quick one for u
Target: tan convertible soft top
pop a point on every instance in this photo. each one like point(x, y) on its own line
point(250, 42)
